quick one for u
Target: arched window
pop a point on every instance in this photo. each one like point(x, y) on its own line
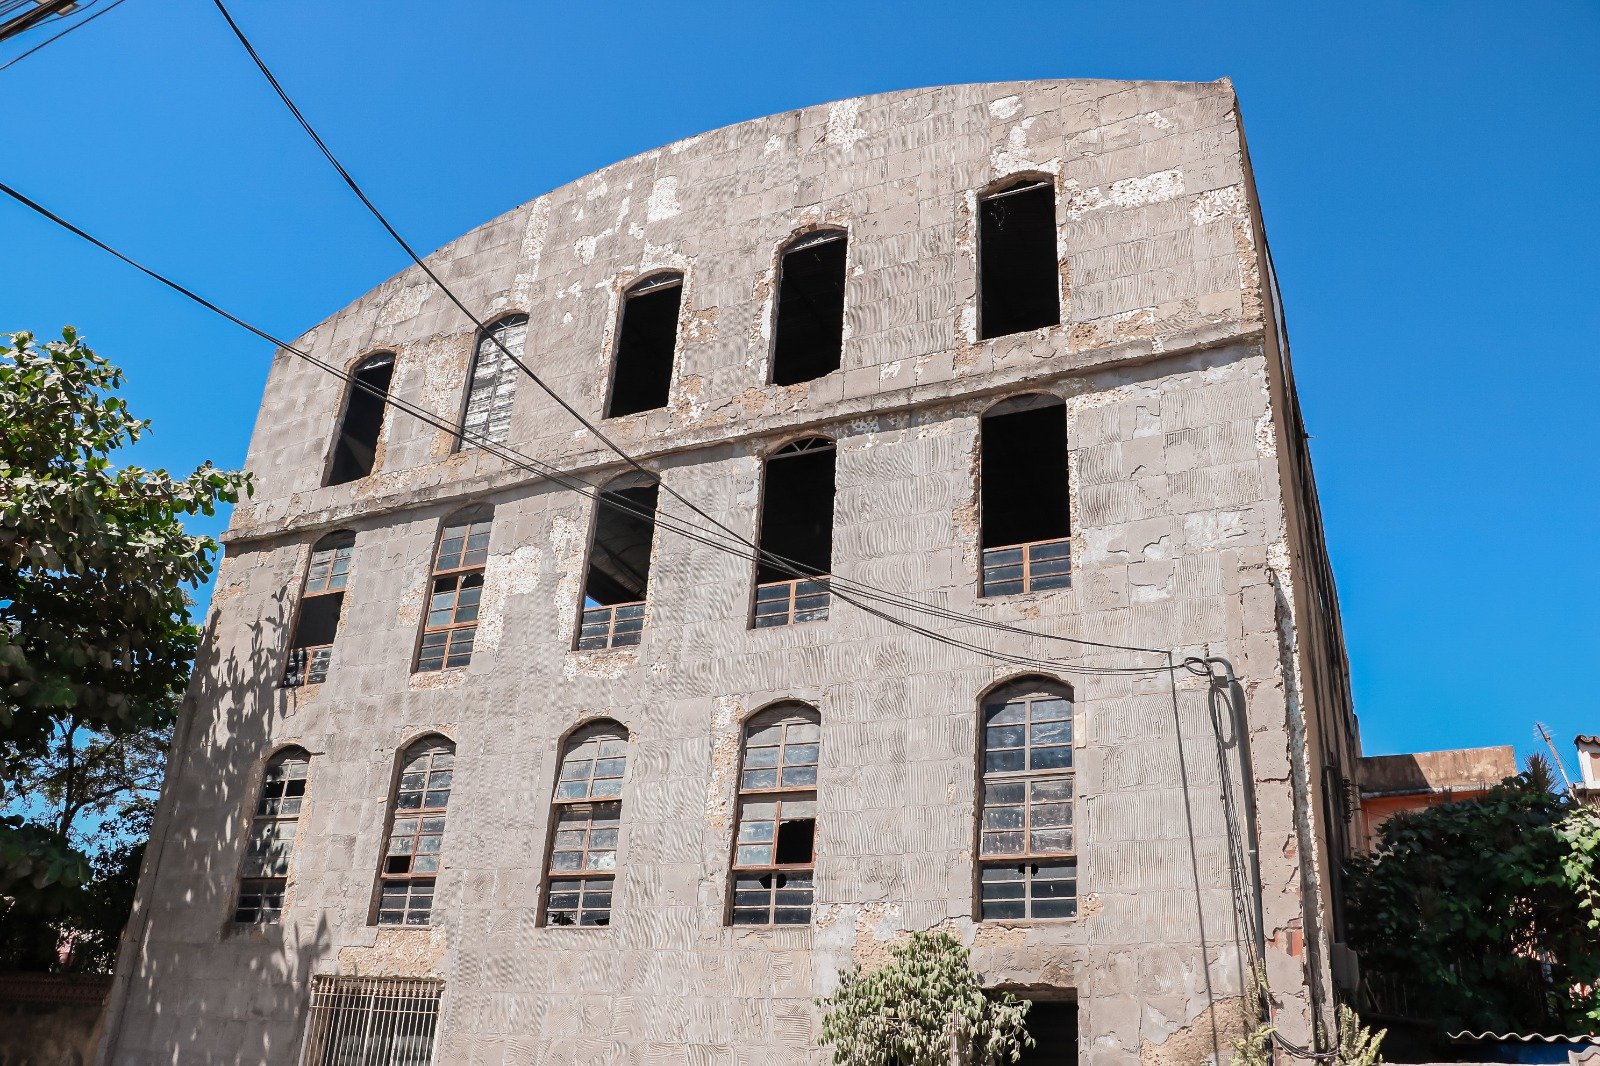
point(585, 822)
point(266, 864)
point(618, 576)
point(1019, 281)
point(796, 534)
point(451, 625)
point(1024, 508)
point(493, 384)
point(357, 447)
point(1027, 851)
point(647, 339)
point(808, 334)
point(321, 602)
point(416, 832)
point(775, 847)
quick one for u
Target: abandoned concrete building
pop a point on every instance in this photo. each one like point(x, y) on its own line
point(932, 468)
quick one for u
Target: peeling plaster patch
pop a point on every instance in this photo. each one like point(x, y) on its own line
point(566, 553)
point(597, 190)
point(701, 325)
point(662, 256)
point(774, 144)
point(1212, 529)
point(889, 370)
point(1266, 437)
point(533, 245)
point(1138, 324)
point(505, 576)
point(724, 762)
point(679, 147)
point(1005, 107)
point(402, 304)
point(1216, 205)
point(1015, 155)
point(1158, 120)
point(397, 953)
point(844, 124)
point(1129, 192)
point(435, 679)
point(1195, 1044)
point(606, 666)
point(663, 202)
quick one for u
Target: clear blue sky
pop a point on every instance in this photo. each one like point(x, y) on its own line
point(1428, 171)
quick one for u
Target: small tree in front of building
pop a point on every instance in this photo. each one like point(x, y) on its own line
point(925, 1007)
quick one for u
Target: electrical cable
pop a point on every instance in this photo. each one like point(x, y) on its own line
point(860, 587)
point(544, 470)
point(13, 61)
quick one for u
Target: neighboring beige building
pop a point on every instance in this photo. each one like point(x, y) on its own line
point(1392, 784)
point(1587, 787)
point(473, 771)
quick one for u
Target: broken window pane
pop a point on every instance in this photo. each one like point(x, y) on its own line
point(775, 843)
point(619, 568)
point(416, 832)
point(1019, 283)
point(1024, 508)
point(321, 602)
point(493, 384)
point(647, 339)
point(357, 446)
point(585, 835)
point(796, 535)
point(809, 332)
point(1027, 807)
point(450, 625)
point(270, 846)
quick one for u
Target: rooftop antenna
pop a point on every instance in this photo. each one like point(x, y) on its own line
point(1542, 731)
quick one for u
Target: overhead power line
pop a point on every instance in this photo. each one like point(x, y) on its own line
point(53, 39)
point(853, 593)
point(372, 208)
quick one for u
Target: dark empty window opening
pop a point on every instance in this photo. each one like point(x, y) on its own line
point(1024, 497)
point(796, 535)
point(1019, 284)
point(357, 446)
point(1053, 1024)
point(321, 601)
point(647, 336)
point(809, 333)
point(619, 568)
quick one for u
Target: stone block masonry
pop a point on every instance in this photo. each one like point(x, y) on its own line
point(1190, 527)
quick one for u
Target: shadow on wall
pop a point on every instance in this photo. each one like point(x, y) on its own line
point(161, 1005)
point(50, 1019)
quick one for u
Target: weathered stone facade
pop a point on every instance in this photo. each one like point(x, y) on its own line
point(1194, 529)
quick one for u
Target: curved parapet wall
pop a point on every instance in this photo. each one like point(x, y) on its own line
point(1156, 254)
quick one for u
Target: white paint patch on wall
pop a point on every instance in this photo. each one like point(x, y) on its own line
point(1129, 192)
point(663, 202)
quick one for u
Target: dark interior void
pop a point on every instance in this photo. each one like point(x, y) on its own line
point(810, 327)
point(363, 418)
point(646, 338)
point(619, 558)
point(1053, 1024)
point(795, 841)
point(1025, 476)
point(797, 510)
point(1019, 287)
point(318, 621)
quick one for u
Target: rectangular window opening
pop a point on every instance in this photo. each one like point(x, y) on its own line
point(1024, 506)
point(1053, 1024)
point(619, 569)
point(450, 626)
point(372, 1021)
point(647, 339)
point(796, 536)
point(357, 446)
point(1019, 281)
point(809, 333)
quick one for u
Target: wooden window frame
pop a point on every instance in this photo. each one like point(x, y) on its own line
point(576, 801)
point(1033, 859)
point(406, 885)
point(505, 369)
point(790, 593)
point(308, 664)
point(279, 802)
point(1030, 582)
point(463, 577)
point(774, 876)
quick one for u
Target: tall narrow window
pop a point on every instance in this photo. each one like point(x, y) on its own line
point(494, 382)
point(809, 333)
point(357, 446)
point(647, 337)
point(372, 1021)
point(619, 564)
point(416, 833)
point(266, 862)
point(1028, 866)
point(796, 537)
point(452, 621)
point(1019, 282)
point(321, 601)
point(775, 847)
point(585, 821)
point(1025, 512)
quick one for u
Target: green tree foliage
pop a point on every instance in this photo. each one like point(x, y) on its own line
point(1488, 911)
point(95, 637)
point(924, 1007)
